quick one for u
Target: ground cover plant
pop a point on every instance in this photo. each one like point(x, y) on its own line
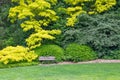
point(63, 72)
point(20, 64)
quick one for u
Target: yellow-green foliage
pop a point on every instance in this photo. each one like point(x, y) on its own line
point(53, 2)
point(36, 15)
point(74, 12)
point(16, 54)
point(74, 2)
point(98, 6)
point(104, 5)
point(37, 37)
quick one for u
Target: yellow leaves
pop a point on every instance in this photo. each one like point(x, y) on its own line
point(50, 14)
point(38, 15)
point(47, 13)
point(35, 39)
point(19, 12)
point(55, 32)
point(74, 2)
point(53, 2)
point(33, 24)
point(39, 5)
point(73, 9)
point(91, 12)
point(39, 34)
point(73, 12)
point(98, 6)
point(103, 5)
point(24, 13)
point(13, 13)
point(31, 10)
point(71, 21)
point(44, 14)
point(16, 54)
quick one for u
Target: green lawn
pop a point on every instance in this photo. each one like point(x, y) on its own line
point(63, 72)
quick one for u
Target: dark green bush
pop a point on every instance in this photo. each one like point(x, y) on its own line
point(50, 50)
point(115, 54)
point(75, 52)
point(101, 32)
point(10, 34)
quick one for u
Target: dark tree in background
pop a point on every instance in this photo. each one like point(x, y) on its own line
point(10, 34)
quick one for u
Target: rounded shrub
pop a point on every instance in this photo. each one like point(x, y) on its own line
point(75, 52)
point(50, 50)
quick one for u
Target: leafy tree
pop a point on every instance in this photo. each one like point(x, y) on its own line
point(36, 16)
point(101, 32)
point(77, 7)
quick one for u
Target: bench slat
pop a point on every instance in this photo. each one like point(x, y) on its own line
point(43, 58)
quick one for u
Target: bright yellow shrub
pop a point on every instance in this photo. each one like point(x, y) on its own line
point(16, 54)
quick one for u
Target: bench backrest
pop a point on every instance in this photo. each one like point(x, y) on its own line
point(46, 58)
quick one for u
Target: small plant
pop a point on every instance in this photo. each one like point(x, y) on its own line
point(16, 54)
point(50, 50)
point(75, 52)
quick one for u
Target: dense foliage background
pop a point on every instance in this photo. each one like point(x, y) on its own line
point(84, 23)
point(11, 34)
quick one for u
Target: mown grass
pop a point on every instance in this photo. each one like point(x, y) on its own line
point(100, 71)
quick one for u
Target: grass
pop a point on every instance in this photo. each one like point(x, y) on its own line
point(102, 71)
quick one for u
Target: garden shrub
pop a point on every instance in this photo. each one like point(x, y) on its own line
point(50, 50)
point(115, 54)
point(16, 54)
point(75, 52)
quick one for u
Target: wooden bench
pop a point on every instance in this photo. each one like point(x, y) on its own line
point(46, 58)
